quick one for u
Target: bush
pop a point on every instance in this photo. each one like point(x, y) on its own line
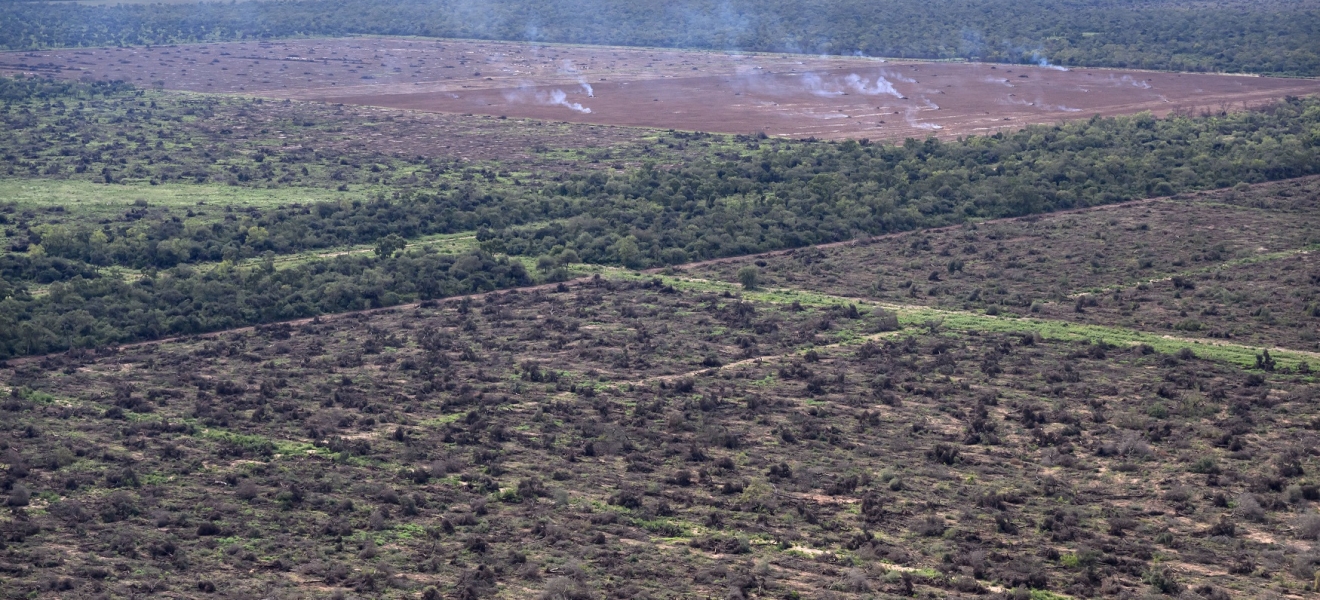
point(563, 588)
point(749, 277)
point(943, 453)
point(1308, 527)
point(1163, 580)
point(246, 490)
point(1248, 508)
point(1224, 527)
point(18, 497)
point(1206, 465)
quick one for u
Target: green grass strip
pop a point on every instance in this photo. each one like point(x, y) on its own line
point(937, 319)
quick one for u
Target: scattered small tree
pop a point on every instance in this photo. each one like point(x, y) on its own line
point(749, 277)
point(1265, 362)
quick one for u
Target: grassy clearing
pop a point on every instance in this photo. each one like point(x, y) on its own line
point(99, 200)
point(447, 243)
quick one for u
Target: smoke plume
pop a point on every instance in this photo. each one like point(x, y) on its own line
point(559, 98)
point(1134, 82)
point(863, 86)
point(1041, 104)
point(898, 77)
point(1040, 60)
point(836, 87)
point(556, 97)
point(817, 86)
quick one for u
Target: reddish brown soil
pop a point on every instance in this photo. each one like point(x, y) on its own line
point(786, 95)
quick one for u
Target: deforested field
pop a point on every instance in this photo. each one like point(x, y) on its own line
point(786, 95)
point(1111, 402)
point(693, 299)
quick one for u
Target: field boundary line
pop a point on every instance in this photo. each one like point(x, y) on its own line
point(919, 315)
point(657, 271)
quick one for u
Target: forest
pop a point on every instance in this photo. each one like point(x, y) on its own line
point(1278, 38)
point(765, 195)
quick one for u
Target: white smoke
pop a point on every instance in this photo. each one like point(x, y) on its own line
point(586, 87)
point(1041, 104)
point(819, 87)
point(1134, 82)
point(559, 98)
point(1044, 62)
point(898, 77)
point(836, 87)
point(863, 86)
point(911, 117)
point(555, 97)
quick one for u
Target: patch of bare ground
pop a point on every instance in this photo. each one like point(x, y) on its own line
point(779, 94)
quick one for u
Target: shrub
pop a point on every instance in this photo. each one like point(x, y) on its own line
point(1308, 527)
point(563, 588)
point(749, 277)
point(1206, 465)
point(246, 490)
point(1248, 508)
point(1224, 527)
point(931, 526)
point(943, 453)
point(1162, 579)
point(19, 497)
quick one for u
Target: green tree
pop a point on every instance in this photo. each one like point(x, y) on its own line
point(749, 277)
point(390, 244)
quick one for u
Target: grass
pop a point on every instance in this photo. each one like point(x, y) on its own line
point(444, 243)
point(85, 199)
point(920, 316)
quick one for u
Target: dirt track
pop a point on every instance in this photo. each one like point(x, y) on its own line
point(783, 95)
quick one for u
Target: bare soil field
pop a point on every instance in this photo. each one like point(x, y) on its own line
point(782, 95)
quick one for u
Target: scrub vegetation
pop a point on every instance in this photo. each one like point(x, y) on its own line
point(293, 349)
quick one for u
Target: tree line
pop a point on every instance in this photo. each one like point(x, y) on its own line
point(796, 194)
point(89, 312)
point(1272, 37)
point(771, 194)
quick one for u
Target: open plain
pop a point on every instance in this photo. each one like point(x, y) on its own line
point(777, 94)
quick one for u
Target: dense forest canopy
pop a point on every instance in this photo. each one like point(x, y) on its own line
point(1273, 38)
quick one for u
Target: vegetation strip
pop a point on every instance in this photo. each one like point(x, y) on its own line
point(935, 319)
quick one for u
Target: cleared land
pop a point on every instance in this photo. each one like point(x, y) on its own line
point(1231, 265)
point(889, 417)
point(783, 95)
